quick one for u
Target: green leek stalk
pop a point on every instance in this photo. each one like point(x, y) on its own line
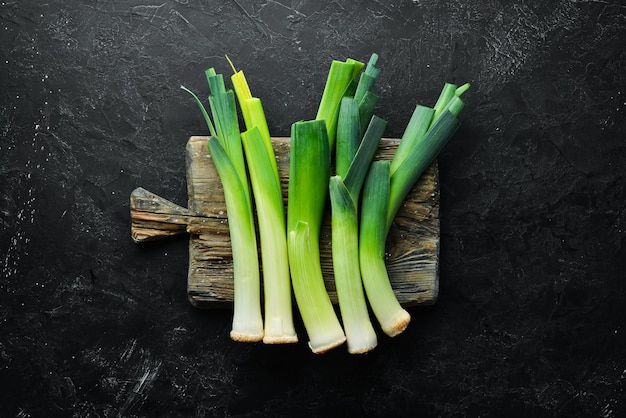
point(424, 117)
point(363, 157)
point(366, 109)
point(414, 132)
point(252, 112)
point(363, 94)
point(360, 333)
point(418, 159)
point(386, 187)
point(224, 112)
point(423, 144)
point(247, 319)
point(358, 134)
point(226, 153)
point(309, 172)
point(348, 135)
point(368, 78)
point(354, 117)
point(391, 316)
point(341, 82)
point(259, 152)
point(447, 93)
point(344, 198)
point(279, 326)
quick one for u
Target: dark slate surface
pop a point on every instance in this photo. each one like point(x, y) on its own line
point(530, 319)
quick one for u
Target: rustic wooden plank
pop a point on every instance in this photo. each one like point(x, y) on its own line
point(412, 245)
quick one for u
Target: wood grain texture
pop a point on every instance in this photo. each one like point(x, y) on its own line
point(153, 217)
point(412, 245)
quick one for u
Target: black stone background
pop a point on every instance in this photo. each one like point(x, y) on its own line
point(530, 319)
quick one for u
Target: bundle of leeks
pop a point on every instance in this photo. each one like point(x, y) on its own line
point(365, 196)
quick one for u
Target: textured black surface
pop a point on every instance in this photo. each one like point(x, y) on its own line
point(530, 319)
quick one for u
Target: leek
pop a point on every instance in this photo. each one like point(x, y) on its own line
point(354, 117)
point(279, 326)
point(387, 185)
point(360, 333)
point(392, 318)
point(226, 152)
point(309, 172)
point(355, 149)
point(344, 198)
point(247, 319)
point(259, 152)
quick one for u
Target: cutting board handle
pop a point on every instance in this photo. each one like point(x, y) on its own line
point(153, 217)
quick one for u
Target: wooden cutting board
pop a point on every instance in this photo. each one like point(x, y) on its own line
point(412, 244)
